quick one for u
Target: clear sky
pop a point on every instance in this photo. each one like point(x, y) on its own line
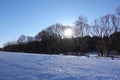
point(29, 17)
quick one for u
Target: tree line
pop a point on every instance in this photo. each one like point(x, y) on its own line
point(102, 36)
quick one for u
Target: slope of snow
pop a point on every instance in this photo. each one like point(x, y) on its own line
point(21, 66)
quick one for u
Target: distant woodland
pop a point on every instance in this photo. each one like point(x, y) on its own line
point(102, 36)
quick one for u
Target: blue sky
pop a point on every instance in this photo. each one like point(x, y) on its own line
point(29, 17)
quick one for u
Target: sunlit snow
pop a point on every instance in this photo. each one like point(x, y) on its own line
point(21, 66)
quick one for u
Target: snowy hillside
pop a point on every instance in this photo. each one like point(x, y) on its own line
point(21, 66)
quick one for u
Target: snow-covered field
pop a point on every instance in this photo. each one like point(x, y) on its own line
point(21, 66)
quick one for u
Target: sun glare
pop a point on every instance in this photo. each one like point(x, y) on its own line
point(68, 33)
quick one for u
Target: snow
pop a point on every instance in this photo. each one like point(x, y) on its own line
point(22, 66)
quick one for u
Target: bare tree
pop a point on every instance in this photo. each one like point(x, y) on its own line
point(30, 39)
point(115, 23)
point(38, 37)
point(96, 29)
point(118, 10)
point(81, 27)
point(56, 30)
point(21, 39)
point(103, 28)
point(43, 35)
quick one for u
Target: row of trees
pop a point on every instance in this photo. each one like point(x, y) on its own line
point(102, 36)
